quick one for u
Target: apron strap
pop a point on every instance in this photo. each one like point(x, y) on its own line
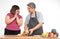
point(35, 14)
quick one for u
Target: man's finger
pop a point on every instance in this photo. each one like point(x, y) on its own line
point(30, 32)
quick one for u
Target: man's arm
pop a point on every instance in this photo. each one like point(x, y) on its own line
point(26, 22)
point(25, 27)
point(37, 26)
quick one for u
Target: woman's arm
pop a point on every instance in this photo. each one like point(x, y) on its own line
point(19, 21)
point(8, 20)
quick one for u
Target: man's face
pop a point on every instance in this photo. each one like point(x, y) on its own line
point(30, 9)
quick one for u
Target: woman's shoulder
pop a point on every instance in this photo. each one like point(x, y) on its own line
point(9, 14)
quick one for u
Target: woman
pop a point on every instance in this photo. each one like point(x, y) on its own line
point(13, 21)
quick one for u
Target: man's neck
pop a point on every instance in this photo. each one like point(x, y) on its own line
point(33, 12)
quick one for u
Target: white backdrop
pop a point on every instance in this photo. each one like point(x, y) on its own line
point(49, 8)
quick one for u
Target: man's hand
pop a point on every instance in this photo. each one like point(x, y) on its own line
point(31, 31)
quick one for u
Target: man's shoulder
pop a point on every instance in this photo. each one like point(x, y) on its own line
point(28, 16)
point(38, 13)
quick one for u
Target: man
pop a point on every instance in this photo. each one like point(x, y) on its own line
point(34, 20)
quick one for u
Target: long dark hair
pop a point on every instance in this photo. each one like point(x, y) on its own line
point(13, 9)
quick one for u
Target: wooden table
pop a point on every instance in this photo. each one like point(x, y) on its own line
point(23, 37)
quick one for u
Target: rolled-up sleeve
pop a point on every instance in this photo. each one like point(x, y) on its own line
point(27, 20)
point(40, 18)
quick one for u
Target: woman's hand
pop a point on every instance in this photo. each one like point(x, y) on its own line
point(15, 15)
point(19, 21)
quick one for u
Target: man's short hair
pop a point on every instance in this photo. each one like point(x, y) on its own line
point(32, 5)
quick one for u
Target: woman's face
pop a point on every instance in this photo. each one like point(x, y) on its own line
point(17, 12)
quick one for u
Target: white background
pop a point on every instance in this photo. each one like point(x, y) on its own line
point(49, 8)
